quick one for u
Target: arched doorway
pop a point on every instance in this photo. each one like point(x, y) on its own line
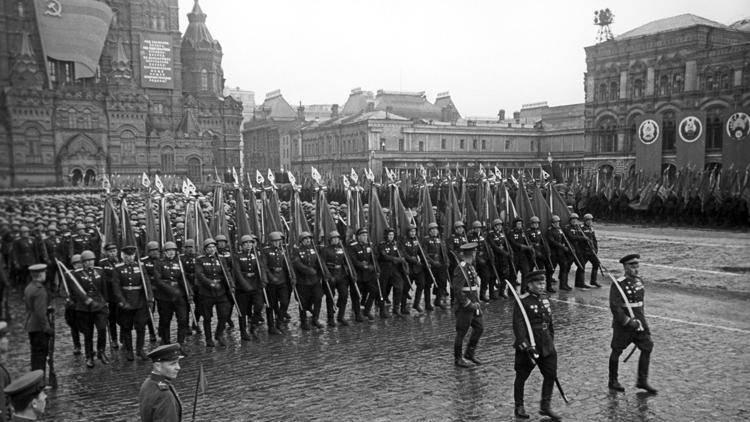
point(195, 169)
point(76, 177)
point(89, 179)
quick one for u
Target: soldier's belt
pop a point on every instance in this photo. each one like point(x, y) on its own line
point(470, 289)
point(335, 267)
point(634, 305)
point(542, 326)
point(132, 287)
point(277, 269)
point(249, 274)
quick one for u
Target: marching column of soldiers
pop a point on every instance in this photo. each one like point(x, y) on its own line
point(110, 291)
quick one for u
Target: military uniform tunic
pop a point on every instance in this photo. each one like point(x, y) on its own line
point(159, 401)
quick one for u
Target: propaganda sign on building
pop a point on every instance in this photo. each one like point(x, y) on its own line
point(156, 61)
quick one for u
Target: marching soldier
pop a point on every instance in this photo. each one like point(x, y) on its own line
point(133, 292)
point(560, 253)
point(24, 254)
point(95, 241)
point(481, 262)
point(575, 236)
point(413, 256)
point(500, 248)
point(107, 264)
point(212, 285)
point(540, 252)
point(391, 275)
point(80, 240)
point(70, 307)
point(249, 287)
point(362, 255)
point(589, 248)
point(54, 249)
point(535, 348)
point(626, 301)
point(225, 253)
point(278, 277)
point(438, 261)
point(188, 264)
point(334, 257)
point(149, 263)
point(466, 284)
point(38, 304)
point(309, 285)
point(457, 238)
point(522, 251)
point(28, 396)
point(171, 295)
point(91, 308)
point(158, 399)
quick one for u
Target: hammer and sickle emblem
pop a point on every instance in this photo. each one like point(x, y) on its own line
point(54, 8)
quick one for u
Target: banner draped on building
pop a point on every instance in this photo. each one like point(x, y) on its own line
point(691, 139)
point(736, 138)
point(74, 31)
point(648, 140)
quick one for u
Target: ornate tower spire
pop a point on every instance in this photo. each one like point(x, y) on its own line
point(201, 55)
point(25, 68)
point(120, 63)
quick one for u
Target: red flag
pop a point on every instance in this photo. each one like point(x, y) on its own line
point(74, 31)
point(242, 223)
point(525, 210)
point(324, 223)
point(151, 232)
point(559, 207)
point(426, 214)
point(110, 232)
point(165, 224)
point(127, 237)
point(377, 220)
point(541, 208)
point(400, 221)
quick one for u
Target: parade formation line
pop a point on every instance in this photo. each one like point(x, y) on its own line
point(682, 321)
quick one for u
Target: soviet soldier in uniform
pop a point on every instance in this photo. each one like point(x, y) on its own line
point(80, 240)
point(107, 264)
point(628, 329)
point(55, 249)
point(391, 274)
point(92, 308)
point(249, 287)
point(309, 285)
point(24, 253)
point(589, 247)
point(539, 350)
point(576, 237)
point(540, 252)
point(95, 240)
point(481, 262)
point(413, 256)
point(334, 257)
point(212, 285)
point(438, 261)
point(37, 300)
point(362, 254)
point(188, 264)
point(149, 264)
point(133, 292)
point(225, 253)
point(500, 248)
point(28, 396)
point(157, 398)
point(171, 295)
point(522, 251)
point(277, 290)
point(560, 253)
point(465, 286)
point(457, 238)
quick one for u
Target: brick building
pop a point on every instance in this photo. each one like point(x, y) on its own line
point(154, 102)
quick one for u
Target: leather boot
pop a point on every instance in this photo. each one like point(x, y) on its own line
point(470, 356)
point(209, 340)
point(141, 354)
point(331, 321)
point(90, 362)
point(644, 385)
point(102, 355)
point(458, 360)
point(520, 412)
point(405, 310)
point(220, 339)
point(317, 324)
point(615, 385)
point(129, 355)
point(546, 410)
point(383, 312)
point(304, 324)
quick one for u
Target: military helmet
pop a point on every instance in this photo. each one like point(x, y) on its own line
point(588, 216)
point(534, 219)
point(496, 221)
point(220, 238)
point(574, 215)
point(274, 236)
point(75, 259)
point(476, 225)
point(555, 218)
point(170, 246)
point(52, 228)
point(304, 235)
point(87, 256)
point(333, 234)
point(152, 246)
point(208, 242)
point(412, 227)
point(458, 224)
point(432, 226)
point(190, 243)
point(246, 238)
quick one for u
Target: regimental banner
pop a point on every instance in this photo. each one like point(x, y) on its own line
point(736, 138)
point(156, 61)
point(74, 31)
point(691, 139)
point(648, 134)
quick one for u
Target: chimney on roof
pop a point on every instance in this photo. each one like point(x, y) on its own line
point(388, 110)
point(335, 111)
point(501, 115)
point(370, 106)
point(517, 116)
point(301, 113)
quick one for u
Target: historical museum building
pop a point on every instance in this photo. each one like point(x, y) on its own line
point(92, 88)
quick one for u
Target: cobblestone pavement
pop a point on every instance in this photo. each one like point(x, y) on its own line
point(402, 368)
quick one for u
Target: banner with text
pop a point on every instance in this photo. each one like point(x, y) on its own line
point(156, 61)
point(648, 134)
point(691, 139)
point(736, 138)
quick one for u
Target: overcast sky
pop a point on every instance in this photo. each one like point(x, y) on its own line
point(490, 54)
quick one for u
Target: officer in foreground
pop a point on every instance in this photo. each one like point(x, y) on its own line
point(466, 284)
point(629, 324)
point(27, 396)
point(158, 398)
point(534, 346)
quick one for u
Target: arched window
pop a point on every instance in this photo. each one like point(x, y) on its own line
point(87, 119)
point(162, 22)
point(677, 83)
point(194, 169)
point(664, 85)
point(631, 138)
point(714, 128)
point(71, 118)
point(614, 92)
point(602, 92)
point(167, 159)
point(638, 88)
point(668, 130)
point(204, 80)
point(34, 145)
point(127, 146)
point(709, 82)
point(724, 84)
point(607, 135)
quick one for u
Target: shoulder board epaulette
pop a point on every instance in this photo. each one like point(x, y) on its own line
point(98, 268)
point(524, 295)
point(119, 264)
point(78, 270)
point(200, 256)
point(162, 386)
point(353, 243)
point(620, 279)
point(143, 258)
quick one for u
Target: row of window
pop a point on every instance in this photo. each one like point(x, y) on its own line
point(666, 84)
